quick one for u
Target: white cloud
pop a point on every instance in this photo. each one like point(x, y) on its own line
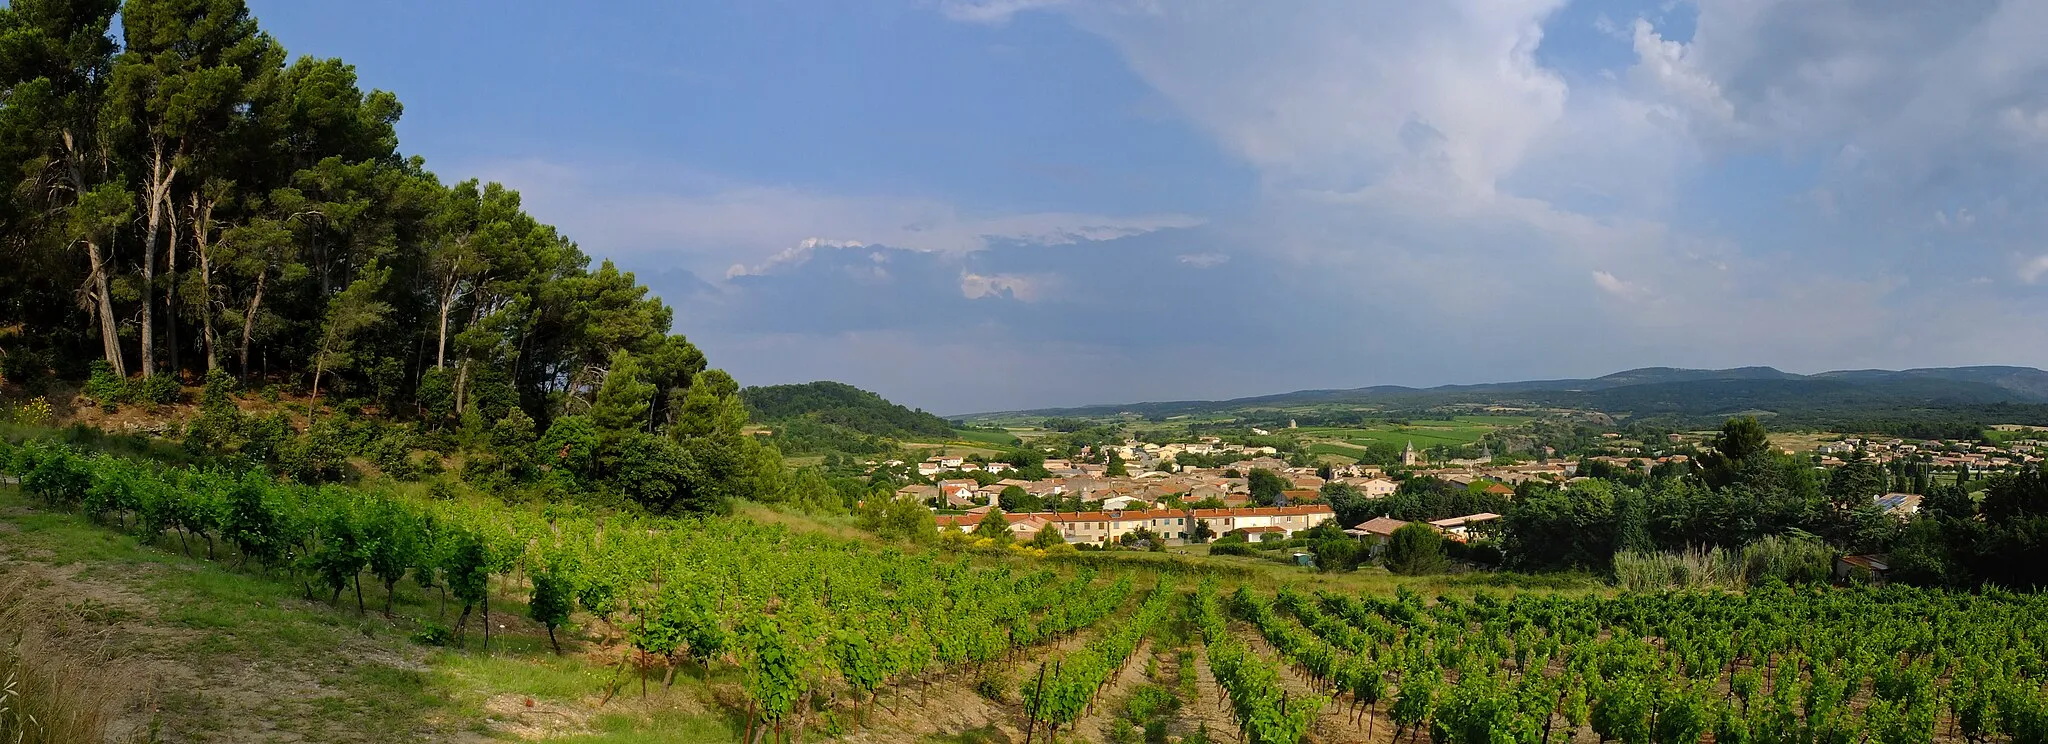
point(992, 12)
point(2032, 271)
point(1326, 94)
point(713, 225)
point(1610, 284)
point(1014, 286)
point(795, 254)
point(1202, 260)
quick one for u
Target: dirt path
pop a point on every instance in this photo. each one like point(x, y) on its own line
point(1333, 723)
point(1109, 705)
point(211, 658)
point(1211, 706)
point(950, 705)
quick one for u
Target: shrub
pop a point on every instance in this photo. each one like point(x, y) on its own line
point(1233, 548)
point(433, 634)
point(159, 390)
point(1417, 549)
point(107, 388)
point(1793, 560)
point(993, 685)
point(1692, 568)
point(1338, 554)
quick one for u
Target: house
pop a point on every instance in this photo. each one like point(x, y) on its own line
point(1376, 532)
point(1291, 519)
point(1459, 528)
point(920, 493)
point(1171, 525)
point(1300, 496)
point(1861, 568)
point(1377, 527)
point(1263, 534)
point(1378, 488)
point(1027, 526)
point(958, 492)
point(929, 469)
point(1120, 503)
point(1494, 488)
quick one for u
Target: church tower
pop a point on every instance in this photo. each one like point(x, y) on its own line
point(1408, 458)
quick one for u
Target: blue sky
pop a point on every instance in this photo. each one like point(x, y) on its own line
point(990, 204)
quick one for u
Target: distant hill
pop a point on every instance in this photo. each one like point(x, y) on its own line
point(842, 405)
point(1873, 400)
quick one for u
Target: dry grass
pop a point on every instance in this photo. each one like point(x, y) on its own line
point(57, 682)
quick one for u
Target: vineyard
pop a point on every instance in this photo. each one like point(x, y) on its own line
point(831, 637)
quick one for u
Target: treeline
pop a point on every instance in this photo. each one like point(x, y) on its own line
point(1993, 531)
point(185, 200)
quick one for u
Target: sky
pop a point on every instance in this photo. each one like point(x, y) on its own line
point(977, 205)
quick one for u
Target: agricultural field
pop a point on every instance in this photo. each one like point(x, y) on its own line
point(1423, 433)
point(249, 609)
point(987, 438)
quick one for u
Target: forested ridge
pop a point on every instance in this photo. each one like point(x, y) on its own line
point(843, 405)
point(186, 201)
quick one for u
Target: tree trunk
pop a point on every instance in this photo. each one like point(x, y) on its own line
point(157, 195)
point(555, 643)
point(320, 366)
point(447, 303)
point(103, 306)
point(461, 387)
point(171, 295)
point(202, 224)
point(249, 321)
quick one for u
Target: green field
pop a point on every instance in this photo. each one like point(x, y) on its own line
point(990, 438)
point(1423, 433)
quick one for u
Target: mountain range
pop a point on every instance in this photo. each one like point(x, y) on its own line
point(1683, 396)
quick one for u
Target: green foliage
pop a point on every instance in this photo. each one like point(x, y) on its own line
point(841, 405)
point(897, 519)
point(1416, 549)
point(551, 600)
point(106, 387)
point(158, 390)
point(994, 526)
point(1266, 486)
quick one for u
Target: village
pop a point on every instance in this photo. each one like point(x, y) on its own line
point(1139, 489)
point(1157, 498)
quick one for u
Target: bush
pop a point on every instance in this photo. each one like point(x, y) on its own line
point(159, 390)
point(1693, 568)
point(433, 634)
point(1793, 560)
point(1338, 554)
point(1417, 549)
point(107, 388)
point(993, 685)
point(1238, 547)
